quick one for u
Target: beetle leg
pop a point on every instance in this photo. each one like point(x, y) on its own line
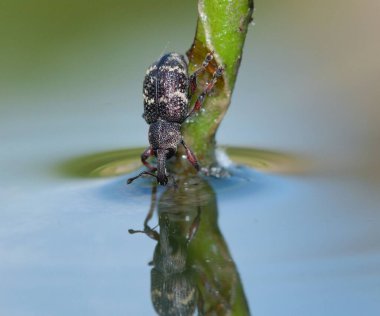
point(197, 72)
point(191, 156)
point(144, 156)
point(198, 103)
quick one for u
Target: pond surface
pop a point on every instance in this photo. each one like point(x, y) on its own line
point(308, 241)
point(296, 234)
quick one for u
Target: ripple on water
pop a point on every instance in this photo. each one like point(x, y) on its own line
point(123, 161)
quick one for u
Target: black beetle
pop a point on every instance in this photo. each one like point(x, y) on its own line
point(167, 90)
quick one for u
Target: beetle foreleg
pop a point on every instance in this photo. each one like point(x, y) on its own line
point(144, 156)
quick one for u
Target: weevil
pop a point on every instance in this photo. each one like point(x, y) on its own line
point(167, 91)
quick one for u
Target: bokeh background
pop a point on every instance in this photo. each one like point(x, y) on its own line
point(308, 81)
point(70, 84)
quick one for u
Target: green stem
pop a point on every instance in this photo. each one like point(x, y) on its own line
point(222, 28)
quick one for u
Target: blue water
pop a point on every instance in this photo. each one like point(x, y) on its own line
point(301, 244)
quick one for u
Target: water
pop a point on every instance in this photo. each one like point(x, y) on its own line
point(310, 242)
point(298, 232)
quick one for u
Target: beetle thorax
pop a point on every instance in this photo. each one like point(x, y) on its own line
point(165, 135)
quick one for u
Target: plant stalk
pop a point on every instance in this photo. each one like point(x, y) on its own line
point(222, 27)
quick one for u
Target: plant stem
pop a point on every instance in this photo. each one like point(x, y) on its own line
point(222, 28)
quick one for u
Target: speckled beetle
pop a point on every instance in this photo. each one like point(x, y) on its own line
point(167, 90)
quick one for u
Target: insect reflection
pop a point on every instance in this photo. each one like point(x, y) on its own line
point(192, 269)
point(173, 290)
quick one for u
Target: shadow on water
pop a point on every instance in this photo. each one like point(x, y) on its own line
point(192, 268)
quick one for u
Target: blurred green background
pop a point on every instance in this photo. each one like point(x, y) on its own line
point(308, 82)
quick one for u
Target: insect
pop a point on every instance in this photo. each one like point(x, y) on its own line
point(167, 90)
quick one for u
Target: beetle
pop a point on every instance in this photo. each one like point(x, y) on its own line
point(167, 90)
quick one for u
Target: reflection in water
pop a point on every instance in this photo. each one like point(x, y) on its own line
point(192, 267)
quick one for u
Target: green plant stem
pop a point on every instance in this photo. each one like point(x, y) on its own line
point(222, 28)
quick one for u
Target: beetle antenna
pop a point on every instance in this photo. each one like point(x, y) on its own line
point(130, 180)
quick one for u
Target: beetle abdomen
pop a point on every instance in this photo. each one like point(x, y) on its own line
point(165, 90)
